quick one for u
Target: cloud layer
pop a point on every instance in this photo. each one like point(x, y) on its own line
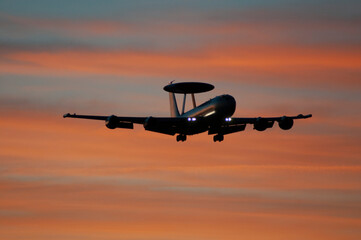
point(75, 179)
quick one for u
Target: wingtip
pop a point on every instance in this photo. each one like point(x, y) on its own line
point(66, 115)
point(304, 116)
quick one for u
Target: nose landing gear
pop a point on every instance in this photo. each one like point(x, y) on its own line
point(181, 137)
point(218, 137)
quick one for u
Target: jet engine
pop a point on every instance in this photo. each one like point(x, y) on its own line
point(262, 124)
point(150, 123)
point(285, 123)
point(112, 122)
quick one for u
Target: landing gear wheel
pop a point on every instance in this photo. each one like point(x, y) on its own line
point(218, 138)
point(181, 137)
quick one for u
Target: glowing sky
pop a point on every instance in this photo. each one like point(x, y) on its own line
point(75, 179)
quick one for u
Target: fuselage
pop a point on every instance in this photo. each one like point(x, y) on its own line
point(208, 115)
point(220, 107)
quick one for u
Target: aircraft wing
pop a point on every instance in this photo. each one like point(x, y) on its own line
point(191, 125)
point(166, 125)
point(139, 120)
point(262, 123)
point(273, 119)
point(111, 121)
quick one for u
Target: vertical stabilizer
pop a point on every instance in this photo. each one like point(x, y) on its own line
point(174, 112)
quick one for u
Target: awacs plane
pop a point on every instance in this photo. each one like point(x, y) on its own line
point(213, 116)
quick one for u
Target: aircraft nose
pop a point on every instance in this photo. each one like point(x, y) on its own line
point(229, 104)
point(229, 98)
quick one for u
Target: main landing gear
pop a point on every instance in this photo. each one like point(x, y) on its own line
point(181, 137)
point(218, 137)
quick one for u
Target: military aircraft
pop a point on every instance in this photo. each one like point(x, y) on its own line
point(213, 116)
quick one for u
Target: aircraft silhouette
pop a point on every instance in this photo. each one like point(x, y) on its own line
point(213, 116)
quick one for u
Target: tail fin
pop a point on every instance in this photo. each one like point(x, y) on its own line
point(174, 112)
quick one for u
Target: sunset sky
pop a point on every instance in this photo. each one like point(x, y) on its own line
point(75, 179)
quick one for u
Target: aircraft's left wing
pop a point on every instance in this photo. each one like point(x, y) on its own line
point(254, 120)
point(262, 123)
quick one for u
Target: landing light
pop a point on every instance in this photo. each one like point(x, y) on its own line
point(191, 119)
point(228, 119)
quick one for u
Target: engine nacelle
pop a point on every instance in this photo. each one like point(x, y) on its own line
point(285, 123)
point(150, 123)
point(262, 124)
point(113, 122)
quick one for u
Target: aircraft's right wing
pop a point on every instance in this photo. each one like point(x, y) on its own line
point(139, 120)
point(166, 125)
point(111, 121)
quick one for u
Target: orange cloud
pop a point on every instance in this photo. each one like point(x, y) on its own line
point(117, 152)
point(70, 27)
point(78, 179)
point(299, 66)
point(72, 179)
